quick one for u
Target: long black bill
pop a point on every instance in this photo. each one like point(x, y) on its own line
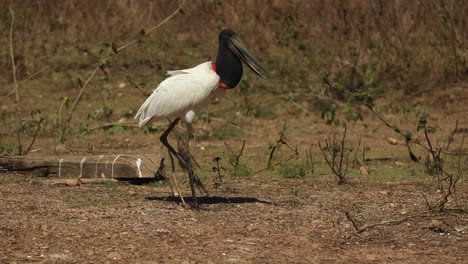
point(236, 46)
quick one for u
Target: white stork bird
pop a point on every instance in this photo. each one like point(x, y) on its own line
point(186, 92)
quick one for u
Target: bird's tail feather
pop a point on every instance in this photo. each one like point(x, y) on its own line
point(141, 117)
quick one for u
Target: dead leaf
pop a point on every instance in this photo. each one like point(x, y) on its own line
point(72, 182)
point(438, 226)
point(364, 170)
point(392, 141)
point(60, 148)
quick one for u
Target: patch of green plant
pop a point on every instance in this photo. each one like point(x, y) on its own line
point(6, 149)
point(242, 171)
point(110, 184)
point(292, 97)
point(84, 128)
point(294, 191)
point(370, 74)
point(153, 129)
point(291, 171)
point(157, 184)
point(353, 114)
point(330, 117)
point(227, 132)
point(115, 130)
point(266, 114)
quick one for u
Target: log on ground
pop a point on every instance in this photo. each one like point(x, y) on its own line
point(122, 166)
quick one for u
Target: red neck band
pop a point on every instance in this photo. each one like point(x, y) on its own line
point(221, 84)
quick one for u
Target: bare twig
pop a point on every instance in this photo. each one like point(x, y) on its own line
point(355, 161)
point(18, 139)
point(24, 81)
point(229, 123)
point(450, 139)
point(360, 230)
point(99, 66)
point(237, 156)
point(75, 103)
point(371, 108)
point(179, 8)
point(132, 82)
point(276, 164)
point(331, 151)
point(12, 56)
point(270, 157)
point(386, 123)
point(218, 170)
point(309, 159)
point(279, 142)
point(35, 135)
point(342, 151)
point(348, 216)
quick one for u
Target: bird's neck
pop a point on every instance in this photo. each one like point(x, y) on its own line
point(228, 67)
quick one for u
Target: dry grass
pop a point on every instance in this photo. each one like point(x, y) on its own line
point(379, 44)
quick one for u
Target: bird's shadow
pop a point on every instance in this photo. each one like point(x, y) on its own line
point(209, 200)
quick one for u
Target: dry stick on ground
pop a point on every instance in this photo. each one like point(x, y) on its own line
point(97, 67)
point(360, 230)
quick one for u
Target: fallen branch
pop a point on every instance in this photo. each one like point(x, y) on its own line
point(360, 230)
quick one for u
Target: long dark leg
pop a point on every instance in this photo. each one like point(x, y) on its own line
point(165, 142)
point(175, 179)
point(201, 188)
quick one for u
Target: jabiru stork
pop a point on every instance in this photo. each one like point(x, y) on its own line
point(186, 92)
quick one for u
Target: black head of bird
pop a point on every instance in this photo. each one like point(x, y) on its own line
point(231, 53)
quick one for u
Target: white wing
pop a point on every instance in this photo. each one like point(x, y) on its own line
point(186, 90)
point(188, 71)
point(177, 72)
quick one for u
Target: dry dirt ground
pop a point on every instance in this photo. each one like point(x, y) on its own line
point(256, 220)
point(262, 218)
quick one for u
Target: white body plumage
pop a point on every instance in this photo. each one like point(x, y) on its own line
point(181, 95)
